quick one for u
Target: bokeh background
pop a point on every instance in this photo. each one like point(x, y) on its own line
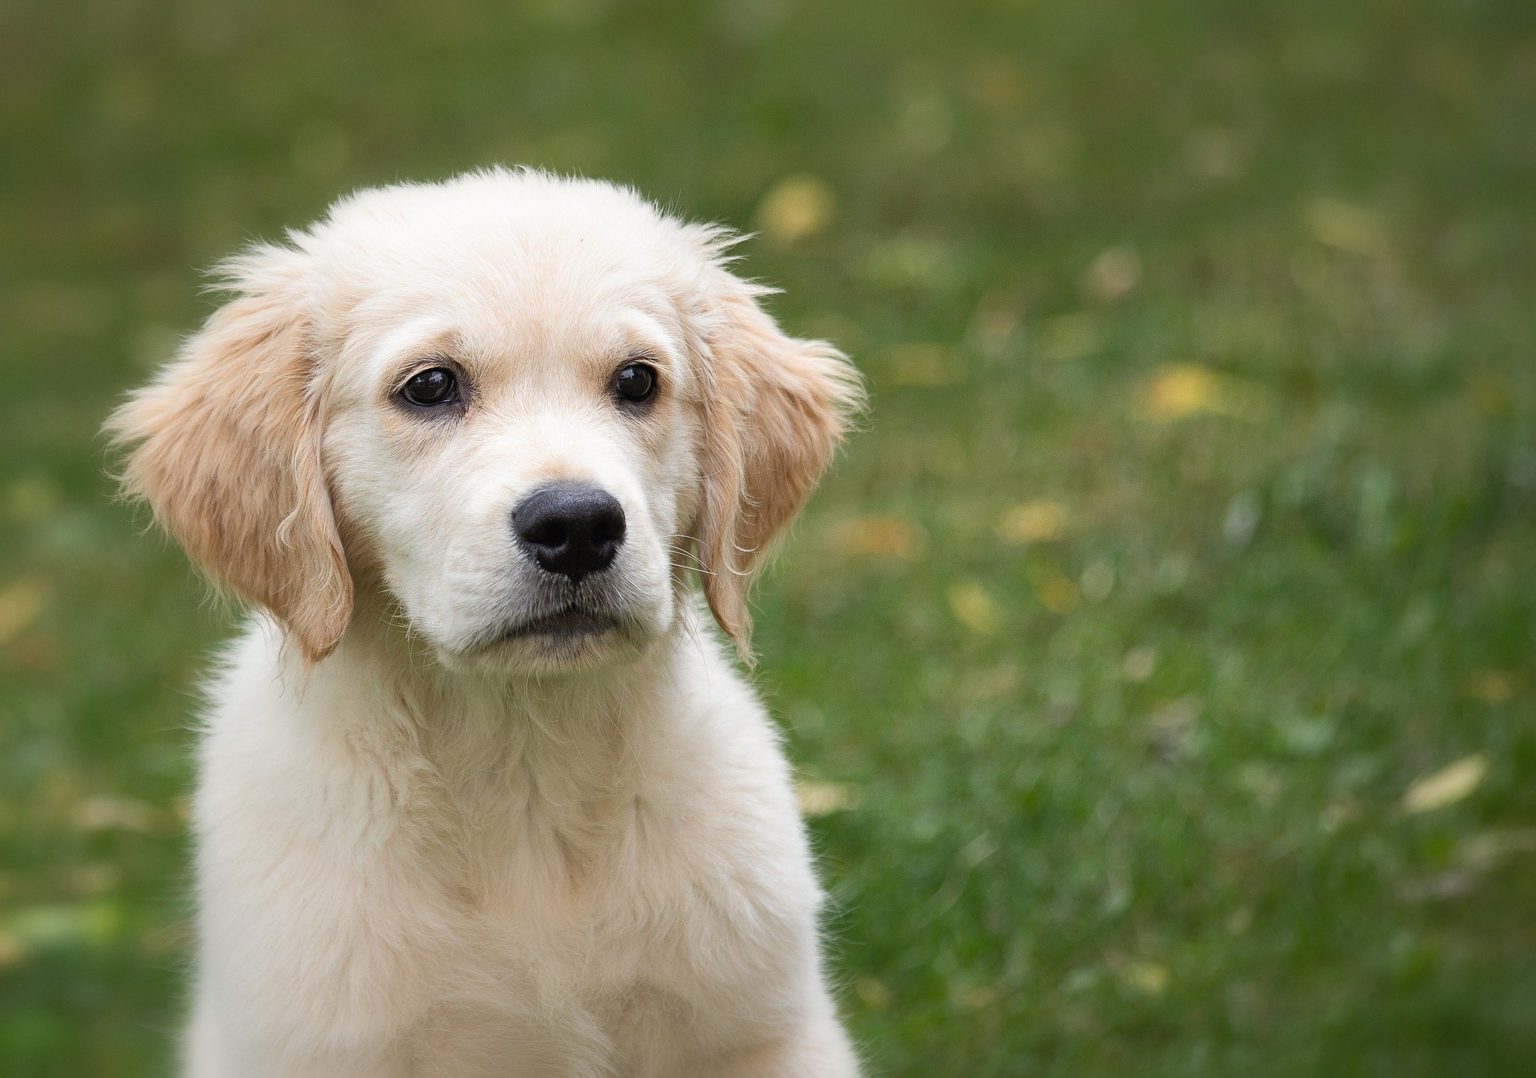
point(1159, 660)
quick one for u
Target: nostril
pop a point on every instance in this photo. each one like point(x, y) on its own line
point(546, 531)
point(608, 525)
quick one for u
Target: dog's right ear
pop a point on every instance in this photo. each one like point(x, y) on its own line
point(775, 412)
point(225, 447)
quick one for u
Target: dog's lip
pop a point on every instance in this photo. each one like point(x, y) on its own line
point(572, 621)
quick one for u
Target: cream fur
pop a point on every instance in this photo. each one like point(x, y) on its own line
point(425, 848)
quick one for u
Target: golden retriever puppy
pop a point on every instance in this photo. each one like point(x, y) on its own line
point(480, 791)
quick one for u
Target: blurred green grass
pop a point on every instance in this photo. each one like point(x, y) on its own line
point(1195, 524)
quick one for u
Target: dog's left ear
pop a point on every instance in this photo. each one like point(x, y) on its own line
point(775, 409)
point(225, 447)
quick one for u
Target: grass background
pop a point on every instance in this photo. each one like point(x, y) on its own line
point(1192, 538)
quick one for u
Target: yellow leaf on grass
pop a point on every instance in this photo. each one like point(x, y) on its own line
point(12, 950)
point(797, 208)
point(1492, 686)
point(1346, 226)
point(1148, 977)
point(31, 498)
point(997, 83)
point(1447, 786)
point(1055, 590)
point(118, 814)
point(975, 608)
point(20, 604)
point(976, 998)
point(1039, 521)
point(874, 992)
point(889, 537)
point(823, 798)
point(1179, 390)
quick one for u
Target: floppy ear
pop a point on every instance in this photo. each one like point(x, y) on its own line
point(775, 409)
point(226, 449)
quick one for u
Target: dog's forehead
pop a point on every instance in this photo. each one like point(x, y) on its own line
point(505, 256)
point(504, 233)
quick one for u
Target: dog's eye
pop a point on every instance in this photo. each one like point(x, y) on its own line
point(635, 382)
point(436, 385)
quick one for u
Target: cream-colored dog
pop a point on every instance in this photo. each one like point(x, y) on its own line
point(480, 791)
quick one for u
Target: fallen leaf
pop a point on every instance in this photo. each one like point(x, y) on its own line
point(1490, 394)
point(1492, 686)
point(1346, 226)
point(118, 814)
point(1178, 390)
point(1148, 977)
point(20, 604)
point(975, 608)
point(1040, 521)
point(31, 498)
point(874, 992)
point(1056, 592)
point(12, 950)
point(997, 83)
point(1447, 786)
point(889, 537)
point(978, 997)
point(796, 209)
point(824, 798)
point(1113, 274)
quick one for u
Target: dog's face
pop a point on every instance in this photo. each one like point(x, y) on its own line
point(514, 441)
point(512, 409)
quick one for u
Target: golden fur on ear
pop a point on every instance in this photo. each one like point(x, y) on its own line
point(775, 410)
point(226, 450)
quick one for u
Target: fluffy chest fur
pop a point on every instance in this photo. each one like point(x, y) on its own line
point(568, 878)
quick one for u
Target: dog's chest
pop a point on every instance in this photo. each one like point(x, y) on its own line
point(601, 917)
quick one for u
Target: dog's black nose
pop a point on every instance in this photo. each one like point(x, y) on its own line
point(570, 528)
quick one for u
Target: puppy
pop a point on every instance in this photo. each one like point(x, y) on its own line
point(480, 790)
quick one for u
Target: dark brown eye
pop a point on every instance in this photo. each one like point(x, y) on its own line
point(431, 387)
point(635, 382)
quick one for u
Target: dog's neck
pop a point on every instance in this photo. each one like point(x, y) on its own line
point(577, 736)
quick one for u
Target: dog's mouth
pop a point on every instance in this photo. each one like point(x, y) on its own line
point(569, 623)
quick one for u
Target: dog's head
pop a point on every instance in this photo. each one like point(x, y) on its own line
point(513, 410)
